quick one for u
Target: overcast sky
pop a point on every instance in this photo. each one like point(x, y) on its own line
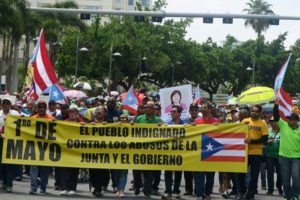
point(218, 31)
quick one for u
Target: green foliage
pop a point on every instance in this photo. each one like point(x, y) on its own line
point(165, 47)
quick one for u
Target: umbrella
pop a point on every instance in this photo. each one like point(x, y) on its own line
point(82, 85)
point(256, 95)
point(74, 94)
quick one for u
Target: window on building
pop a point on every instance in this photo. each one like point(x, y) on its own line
point(130, 2)
point(118, 1)
point(145, 3)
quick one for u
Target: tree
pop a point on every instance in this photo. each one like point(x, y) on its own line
point(258, 7)
point(13, 15)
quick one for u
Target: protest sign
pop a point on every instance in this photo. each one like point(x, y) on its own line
point(32, 141)
point(179, 95)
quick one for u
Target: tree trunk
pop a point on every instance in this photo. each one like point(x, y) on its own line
point(15, 68)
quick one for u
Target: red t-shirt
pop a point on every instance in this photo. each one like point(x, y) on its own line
point(211, 120)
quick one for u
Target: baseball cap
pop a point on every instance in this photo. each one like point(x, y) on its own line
point(41, 102)
point(293, 116)
point(6, 99)
point(73, 106)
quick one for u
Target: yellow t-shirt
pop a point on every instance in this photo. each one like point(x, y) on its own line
point(257, 128)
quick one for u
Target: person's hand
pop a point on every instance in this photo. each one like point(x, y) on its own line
point(247, 141)
point(270, 141)
point(82, 123)
point(193, 124)
point(131, 123)
point(1, 135)
point(93, 123)
point(276, 101)
point(53, 120)
point(159, 124)
point(104, 123)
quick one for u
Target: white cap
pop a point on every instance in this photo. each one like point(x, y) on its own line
point(7, 99)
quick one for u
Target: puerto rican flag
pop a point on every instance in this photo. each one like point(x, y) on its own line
point(223, 147)
point(131, 101)
point(56, 94)
point(43, 73)
point(285, 101)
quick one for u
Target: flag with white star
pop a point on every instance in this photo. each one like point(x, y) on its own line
point(131, 101)
point(223, 147)
point(57, 94)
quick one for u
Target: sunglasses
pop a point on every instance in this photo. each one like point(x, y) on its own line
point(42, 107)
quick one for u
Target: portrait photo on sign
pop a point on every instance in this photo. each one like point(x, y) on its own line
point(179, 95)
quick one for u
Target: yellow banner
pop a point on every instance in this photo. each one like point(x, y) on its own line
point(31, 141)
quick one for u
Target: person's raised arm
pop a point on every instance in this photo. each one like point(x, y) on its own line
point(275, 110)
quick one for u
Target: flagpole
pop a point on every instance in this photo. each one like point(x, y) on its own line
point(110, 65)
point(76, 62)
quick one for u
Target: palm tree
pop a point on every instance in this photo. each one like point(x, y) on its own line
point(258, 7)
point(14, 13)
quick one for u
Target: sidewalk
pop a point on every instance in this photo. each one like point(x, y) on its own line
point(21, 189)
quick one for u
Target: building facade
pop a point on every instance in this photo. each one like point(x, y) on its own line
point(98, 4)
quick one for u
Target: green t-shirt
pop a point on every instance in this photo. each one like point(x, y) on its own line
point(289, 140)
point(272, 149)
point(142, 119)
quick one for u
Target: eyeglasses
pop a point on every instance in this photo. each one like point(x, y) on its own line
point(173, 111)
point(256, 111)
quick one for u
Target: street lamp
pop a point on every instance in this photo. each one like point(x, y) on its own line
point(116, 54)
point(83, 49)
point(140, 67)
point(253, 72)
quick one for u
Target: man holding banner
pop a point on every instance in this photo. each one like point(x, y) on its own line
point(42, 171)
point(7, 171)
point(175, 114)
point(258, 135)
point(149, 118)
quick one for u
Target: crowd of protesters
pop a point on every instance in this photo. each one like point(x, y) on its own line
point(273, 149)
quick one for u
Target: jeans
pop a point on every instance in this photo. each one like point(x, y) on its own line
point(156, 179)
point(148, 181)
point(42, 171)
point(199, 178)
point(188, 178)
point(254, 165)
point(241, 183)
point(137, 179)
point(169, 181)
point(121, 178)
point(273, 163)
point(209, 183)
point(290, 168)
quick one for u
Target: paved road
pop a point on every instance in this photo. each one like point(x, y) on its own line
point(21, 189)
